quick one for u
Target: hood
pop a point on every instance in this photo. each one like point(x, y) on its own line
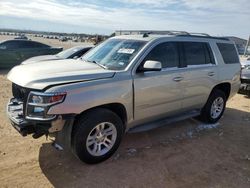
point(245, 74)
point(42, 74)
point(40, 58)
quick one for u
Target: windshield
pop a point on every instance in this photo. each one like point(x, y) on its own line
point(67, 53)
point(114, 54)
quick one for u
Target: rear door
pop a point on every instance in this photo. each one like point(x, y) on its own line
point(156, 93)
point(199, 74)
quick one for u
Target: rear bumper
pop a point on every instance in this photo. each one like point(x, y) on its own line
point(35, 127)
point(244, 89)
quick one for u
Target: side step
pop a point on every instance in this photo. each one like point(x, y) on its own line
point(163, 122)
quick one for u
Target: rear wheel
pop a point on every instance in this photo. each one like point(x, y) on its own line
point(214, 108)
point(97, 135)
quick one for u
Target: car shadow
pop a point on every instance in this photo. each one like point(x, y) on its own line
point(140, 160)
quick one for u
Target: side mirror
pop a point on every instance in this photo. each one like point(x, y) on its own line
point(151, 66)
point(75, 57)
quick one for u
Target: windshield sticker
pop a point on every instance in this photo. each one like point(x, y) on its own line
point(126, 51)
point(121, 63)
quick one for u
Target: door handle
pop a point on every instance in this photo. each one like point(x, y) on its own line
point(211, 74)
point(178, 79)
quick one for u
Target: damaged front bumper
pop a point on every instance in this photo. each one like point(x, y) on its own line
point(38, 128)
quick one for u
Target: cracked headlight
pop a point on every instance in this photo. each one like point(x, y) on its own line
point(38, 104)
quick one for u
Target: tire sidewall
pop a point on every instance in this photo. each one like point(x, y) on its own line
point(207, 110)
point(85, 125)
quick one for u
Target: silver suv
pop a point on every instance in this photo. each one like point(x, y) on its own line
point(127, 83)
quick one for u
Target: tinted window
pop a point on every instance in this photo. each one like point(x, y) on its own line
point(194, 53)
point(31, 44)
point(166, 53)
point(9, 45)
point(14, 44)
point(228, 53)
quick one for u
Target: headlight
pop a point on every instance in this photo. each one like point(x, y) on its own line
point(38, 104)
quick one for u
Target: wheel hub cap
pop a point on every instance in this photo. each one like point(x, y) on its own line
point(101, 139)
point(217, 107)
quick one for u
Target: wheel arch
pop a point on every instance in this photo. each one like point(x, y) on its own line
point(225, 87)
point(118, 108)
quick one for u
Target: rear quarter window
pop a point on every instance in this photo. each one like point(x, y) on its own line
point(229, 53)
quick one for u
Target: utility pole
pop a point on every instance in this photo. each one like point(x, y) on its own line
point(247, 45)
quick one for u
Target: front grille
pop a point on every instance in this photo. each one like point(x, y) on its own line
point(245, 81)
point(20, 93)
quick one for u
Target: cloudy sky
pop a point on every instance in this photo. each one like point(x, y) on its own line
point(216, 17)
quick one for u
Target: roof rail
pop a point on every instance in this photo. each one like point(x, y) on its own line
point(146, 33)
point(200, 34)
point(170, 32)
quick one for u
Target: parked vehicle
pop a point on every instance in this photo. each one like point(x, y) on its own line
point(71, 53)
point(127, 83)
point(13, 52)
point(246, 63)
point(63, 39)
point(21, 37)
point(245, 81)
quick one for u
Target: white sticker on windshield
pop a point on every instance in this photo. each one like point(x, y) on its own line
point(126, 51)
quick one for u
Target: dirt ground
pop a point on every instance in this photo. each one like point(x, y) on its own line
point(183, 154)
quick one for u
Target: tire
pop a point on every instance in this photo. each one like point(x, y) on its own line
point(206, 113)
point(94, 129)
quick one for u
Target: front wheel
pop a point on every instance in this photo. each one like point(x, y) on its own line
point(214, 108)
point(97, 135)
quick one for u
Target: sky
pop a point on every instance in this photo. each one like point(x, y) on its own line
point(215, 17)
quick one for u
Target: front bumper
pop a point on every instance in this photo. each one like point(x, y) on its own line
point(16, 116)
point(244, 89)
point(35, 127)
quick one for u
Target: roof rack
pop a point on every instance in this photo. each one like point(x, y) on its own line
point(200, 34)
point(146, 33)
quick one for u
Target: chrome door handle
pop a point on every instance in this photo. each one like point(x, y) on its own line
point(211, 74)
point(178, 79)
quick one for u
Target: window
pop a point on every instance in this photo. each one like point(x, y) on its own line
point(194, 53)
point(31, 44)
point(228, 53)
point(209, 54)
point(9, 45)
point(114, 54)
point(166, 53)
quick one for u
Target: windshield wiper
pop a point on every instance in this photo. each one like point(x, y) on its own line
point(103, 66)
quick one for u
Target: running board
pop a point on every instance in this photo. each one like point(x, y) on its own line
point(163, 122)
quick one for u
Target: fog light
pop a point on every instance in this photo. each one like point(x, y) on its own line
point(38, 109)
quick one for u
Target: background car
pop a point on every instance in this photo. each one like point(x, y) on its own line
point(13, 52)
point(22, 37)
point(71, 53)
point(245, 63)
point(245, 81)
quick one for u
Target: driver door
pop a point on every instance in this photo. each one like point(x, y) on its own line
point(158, 93)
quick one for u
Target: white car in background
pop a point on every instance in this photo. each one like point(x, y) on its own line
point(245, 63)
